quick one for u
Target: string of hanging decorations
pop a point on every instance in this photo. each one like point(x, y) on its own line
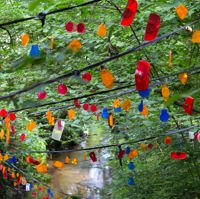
point(77, 72)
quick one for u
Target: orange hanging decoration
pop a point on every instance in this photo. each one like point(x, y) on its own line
point(25, 40)
point(196, 36)
point(67, 160)
point(5, 158)
point(183, 77)
point(2, 134)
point(143, 147)
point(126, 105)
point(165, 92)
point(107, 78)
point(71, 114)
point(101, 32)
point(85, 156)
point(31, 126)
point(41, 168)
point(110, 120)
point(75, 45)
point(145, 111)
point(181, 11)
point(58, 164)
point(116, 103)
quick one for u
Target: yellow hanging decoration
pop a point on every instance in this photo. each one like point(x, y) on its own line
point(75, 45)
point(126, 105)
point(181, 11)
point(51, 42)
point(196, 36)
point(58, 164)
point(5, 158)
point(75, 161)
point(116, 103)
point(110, 120)
point(143, 147)
point(170, 58)
point(107, 78)
point(101, 32)
point(71, 114)
point(31, 126)
point(183, 77)
point(145, 111)
point(2, 134)
point(41, 168)
point(165, 92)
point(67, 160)
point(25, 39)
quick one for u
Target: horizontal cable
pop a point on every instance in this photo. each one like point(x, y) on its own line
point(48, 13)
point(114, 145)
point(189, 71)
point(75, 72)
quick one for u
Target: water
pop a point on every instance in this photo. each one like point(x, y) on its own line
point(86, 179)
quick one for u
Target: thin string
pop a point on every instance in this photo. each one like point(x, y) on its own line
point(75, 72)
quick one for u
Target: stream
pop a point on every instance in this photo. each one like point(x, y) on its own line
point(86, 179)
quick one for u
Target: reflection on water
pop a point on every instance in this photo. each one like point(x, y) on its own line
point(85, 179)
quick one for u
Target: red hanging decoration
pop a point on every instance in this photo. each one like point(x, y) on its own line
point(13, 129)
point(76, 103)
point(31, 160)
point(178, 155)
point(69, 27)
point(22, 137)
point(12, 116)
point(3, 113)
point(152, 27)
point(86, 107)
point(129, 13)
point(188, 105)
point(62, 89)
point(150, 146)
point(93, 108)
point(93, 156)
point(87, 77)
point(142, 74)
point(80, 28)
point(41, 95)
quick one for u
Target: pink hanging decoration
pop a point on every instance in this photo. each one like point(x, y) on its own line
point(41, 95)
point(129, 13)
point(152, 27)
point(62, 89)
point(22, 137)
point(142, 74)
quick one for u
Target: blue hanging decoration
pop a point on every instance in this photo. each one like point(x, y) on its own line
point(105, 114)
point(131, 181)
point(164, 116)
point(31, 186)
point(140, 107)
point(128, 149)
point(131, 166)
point(35, 52)
point(145, 94)
point(117, 110)
point(12, 160)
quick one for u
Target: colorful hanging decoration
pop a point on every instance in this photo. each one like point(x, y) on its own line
point(93, 156)
point(76, 103)
point(58, 164)
point(181, 11)
point(58, 130)
point(22, 137)
point(131, 181)
point(145, 111)
point(69, 26)
point(152, 27)
point(87, 77)
point(31, 125)
point(101, 32)
point(164, 116)
point(41, 95)
point(142, 74)
point(41, 168)
point(116, 103)
point(110, 120)
point(140, 106)
point(93, 108)
point(170, 59)
point(25, 39)
point(71, 114)
point(12, 117)
point(143, 147)
point(105, 114)
point(3, 113)
point(196, 36)
point(117, 110)
point(128, 150)
point(145, 94)
point(188, 105)
point(31, 160)
point(131, 166)
point(75, 45)
point(50, 118)
point(62, 89)
point(129, 13)
point(168, 140)
point(107, 78)
point(183, 77)
point(165, 92)
point(75, 161)
point(80, 28)
point(126, 105)
point(86, 106)
point(133, 153)
point(178, 155)
point(150, 146)
point(35, 51)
